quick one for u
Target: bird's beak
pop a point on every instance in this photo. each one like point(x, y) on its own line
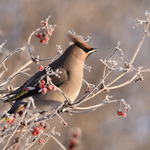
point(95, 50)
point(92, 50)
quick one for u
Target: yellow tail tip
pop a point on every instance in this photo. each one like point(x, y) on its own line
point(7, 119)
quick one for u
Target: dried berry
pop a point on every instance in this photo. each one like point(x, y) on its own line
point(65, 124)
point(119, 113)
point(20, 113)
point(126, 109)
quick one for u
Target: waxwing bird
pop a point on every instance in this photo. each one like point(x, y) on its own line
point(70, 65)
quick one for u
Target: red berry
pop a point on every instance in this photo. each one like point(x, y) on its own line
point(44, 23)
point(26, 89)
point(41, 68)
point(43, 41)
point(119, 113)
point(40, 35)
point(43, 82)
point(44, 90)
point(50, 87)
point(54, 88)
point(47, 126)
point(35, 132)
point(11, 121)
point(42, 86)
point(42, 141)
point(65, 124)
point(46, 38)
point(74, 141)
point(126, 109)
point(124, 114)
point(41, 128)
point(20, 113)
point(73, 144)
point(49, 32)
point(90, 88)
point(42, 123)
point(36, 35)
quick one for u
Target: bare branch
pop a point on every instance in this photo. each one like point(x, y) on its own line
point(1, 46)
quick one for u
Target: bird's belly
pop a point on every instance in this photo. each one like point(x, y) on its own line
point(52, 99)
point(48, 101)
point(71, 90)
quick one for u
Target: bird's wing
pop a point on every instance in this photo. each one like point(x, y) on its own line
point(31, 86)
point(62, 78)
point(30, 82)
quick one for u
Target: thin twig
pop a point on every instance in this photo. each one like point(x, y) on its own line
point(29, 39)
point(88, 95)
point(10, 54)
point(19, 70)
point(98, 105)
point(1, 46)
point(58, 142)
point(140, 44)
point(16, 127)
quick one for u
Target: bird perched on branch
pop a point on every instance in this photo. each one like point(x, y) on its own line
point(43, 86)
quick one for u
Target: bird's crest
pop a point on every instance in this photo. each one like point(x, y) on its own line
point(79, 42)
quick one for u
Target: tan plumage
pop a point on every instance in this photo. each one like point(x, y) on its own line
point(71, 64)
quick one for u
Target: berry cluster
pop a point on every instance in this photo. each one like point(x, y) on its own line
point(121, 113)
point(75, 136)
point(12, 120)
point(44, 37)
point(39, 129)
point(45, 88)
point(45, 33)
